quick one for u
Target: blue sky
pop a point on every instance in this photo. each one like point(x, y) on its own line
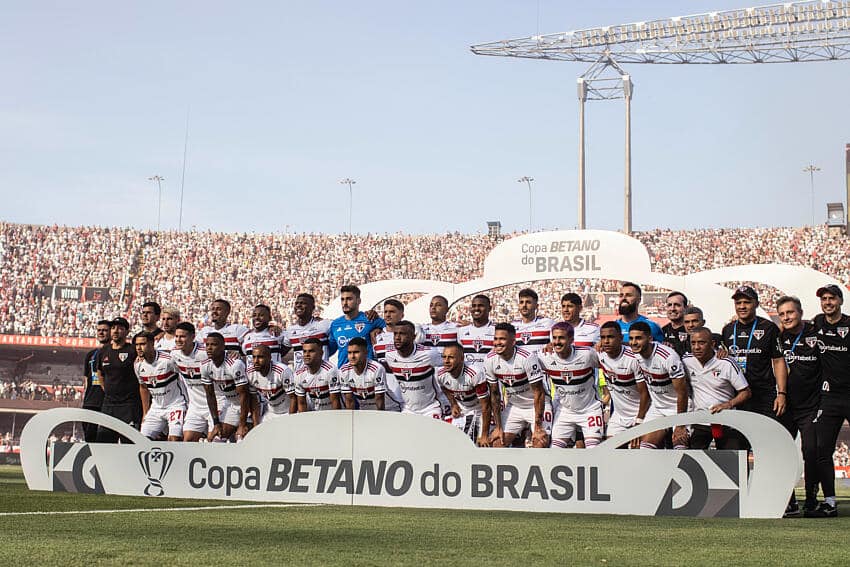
point(286, 98)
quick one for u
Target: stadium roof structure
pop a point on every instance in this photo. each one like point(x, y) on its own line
point(816, 30)
point(792, 32)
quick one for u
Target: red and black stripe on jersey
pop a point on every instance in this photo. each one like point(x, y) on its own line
point(569, 377)
point(473, 345)
point(537, 337)
point(297, 343)
point(159, 381)
point(440, 340)
point(411, 374)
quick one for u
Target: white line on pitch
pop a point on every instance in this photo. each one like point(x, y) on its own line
point(186, 508)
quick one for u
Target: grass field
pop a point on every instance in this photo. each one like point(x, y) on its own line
point(385, 536)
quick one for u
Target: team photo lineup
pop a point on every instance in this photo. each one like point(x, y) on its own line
point(532, 382)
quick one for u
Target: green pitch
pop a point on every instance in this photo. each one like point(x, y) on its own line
point(386, 536)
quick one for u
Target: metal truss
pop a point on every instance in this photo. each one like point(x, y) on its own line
point(816, 30)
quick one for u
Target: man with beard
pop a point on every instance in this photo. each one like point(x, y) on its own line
point(150, 314)
point(439, 332)
point(674, 331)
point(353, 323)
point(532, 331)
point(799, 341)
point(233, 333)
point(93, 396)
point(120, 387)
point(393, 313)
point(170, 318)
point(306, 326)
point(630, 296)
point(414, 367)
point(477, 337)
point(262, 335)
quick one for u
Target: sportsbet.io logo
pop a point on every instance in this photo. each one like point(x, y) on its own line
point(155, 464)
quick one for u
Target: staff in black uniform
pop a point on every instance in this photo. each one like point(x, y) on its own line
point(93, 396)
point(799, 342)
point(120, 386)
point(833, 332)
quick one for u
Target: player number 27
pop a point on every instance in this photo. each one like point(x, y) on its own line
point(176, 415)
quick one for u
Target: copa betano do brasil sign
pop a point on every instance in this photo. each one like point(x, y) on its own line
point(389, 459)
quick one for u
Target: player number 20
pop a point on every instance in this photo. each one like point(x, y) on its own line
point(594, 421)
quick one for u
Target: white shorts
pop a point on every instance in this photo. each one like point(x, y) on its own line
point(434, 411)
point(229, 414)
point(654, 413)
point(515, 419)
point(566, 424)
point(158, 420)
point(197, 420)
point(619, 423)
point(271, 415)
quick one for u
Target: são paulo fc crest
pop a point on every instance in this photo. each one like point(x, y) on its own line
point(477, 344)
point(122, 356)
point(359, 327)
point(842, 331)
point(811, 341)
point(758, 334)
point(525, 337)
point(683, 337)
point(435, 339)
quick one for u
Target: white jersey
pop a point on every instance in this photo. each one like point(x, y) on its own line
point(189, 367)
point(586, 334)
point(534, 335)
point(516, 374)
point(574, 379)
point(659, 370)
point(363, 386)
point(165, 343)
point(276, 386)
point(477, 343)
point(295, 335)
point(254, 339)
point(715, 383)
point(162, 380)
point(416, 377)
point(319, 386)
point(233, 334)
point(467, 390)
point(383, 345)
point(439, 335)
point(622, 375)
point(225, 378)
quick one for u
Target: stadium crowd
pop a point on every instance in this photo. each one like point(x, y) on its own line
point(188, 268)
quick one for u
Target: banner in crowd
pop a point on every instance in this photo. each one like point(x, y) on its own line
point(64, 342)
point(390, 459)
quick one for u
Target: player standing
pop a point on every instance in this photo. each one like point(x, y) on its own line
point(674, 332)
point(93, 393)
point(572, 372)
point(528, 404)
point(624, 382)
point(225, 373)
point(189, 357)
point(317, 380)
point(353, 323)
point(307, 326)
point(833, 331)
point(413, 366)
point(630, 298)
point(272, 380)
point(262, 335)
point(163, 394)
point(439, 332)
point(170, 317)
point(467, 391)
point(477, 337)
point(665, 378)
point(585, 333)
point(393, 313)
point(150, 314)
point(233, 333)
point(532, 331)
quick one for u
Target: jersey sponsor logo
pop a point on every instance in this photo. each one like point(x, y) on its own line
point(811, 341)
point(122, 356)
point(842, 331)
point(758, 334)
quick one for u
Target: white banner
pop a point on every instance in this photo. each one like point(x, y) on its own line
point(389, 459)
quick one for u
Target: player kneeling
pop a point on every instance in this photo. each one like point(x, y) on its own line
point(572, 371)
point(274, 381)
point(528, 405)
point(467, 392)
point(163, 394)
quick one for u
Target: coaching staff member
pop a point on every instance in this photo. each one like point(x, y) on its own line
point(121, 397)
point(93, 396)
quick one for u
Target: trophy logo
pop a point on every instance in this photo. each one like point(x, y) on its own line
point(155, 464)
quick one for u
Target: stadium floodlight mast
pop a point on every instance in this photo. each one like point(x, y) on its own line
point(526, 179)
point(792, 32)
point(159, 179)
point(811, 169)
point(349, 182)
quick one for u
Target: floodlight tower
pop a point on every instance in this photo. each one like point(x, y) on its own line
point(793, 32)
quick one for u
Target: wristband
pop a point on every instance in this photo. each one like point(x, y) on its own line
point(638, 420)
point(216, 421)
point(782, 393)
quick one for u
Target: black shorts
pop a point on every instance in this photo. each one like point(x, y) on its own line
point(130, 413)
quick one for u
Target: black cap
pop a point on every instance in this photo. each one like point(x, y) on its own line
point(746, 291)
point(122, 322)
point(831, 288)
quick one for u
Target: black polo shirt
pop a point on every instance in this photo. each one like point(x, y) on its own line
point(119, 379)
point(753, 346)
point(834, 341)
point(803, 356)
